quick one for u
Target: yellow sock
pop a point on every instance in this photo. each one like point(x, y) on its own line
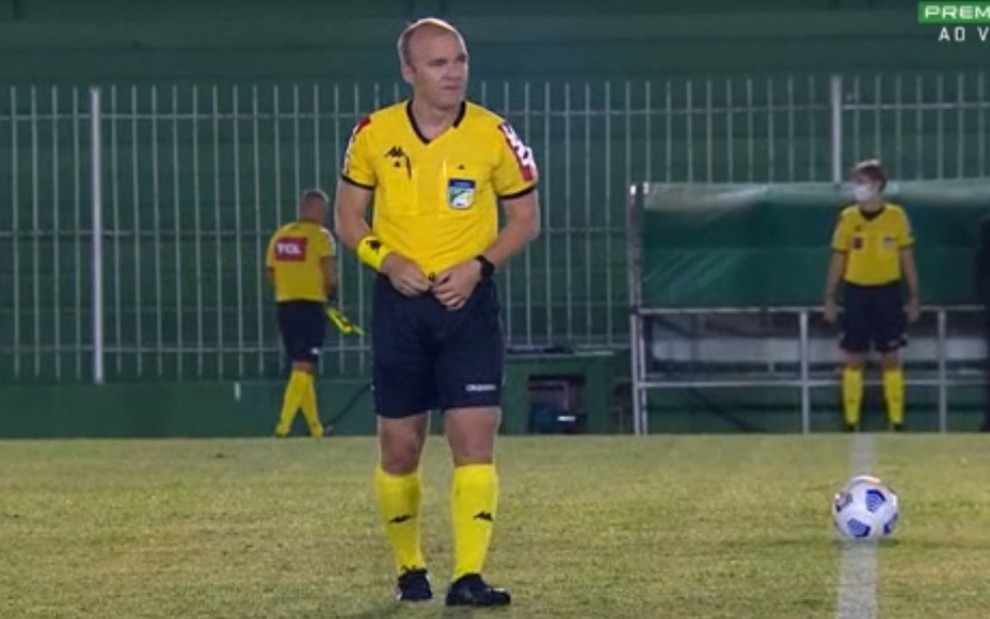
point(473, 503)
point(398, 504)
point(852, 394)
point(294, 393)
point(893, 392)
point(309, 409)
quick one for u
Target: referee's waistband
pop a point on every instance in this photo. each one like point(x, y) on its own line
point(892, 283)
point(300, 301)
point(383, 279)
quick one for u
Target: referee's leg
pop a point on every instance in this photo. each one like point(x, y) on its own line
point(891, 325)
point(303, 329)
point(469, 371)
point(404, 393)
point(855, 343)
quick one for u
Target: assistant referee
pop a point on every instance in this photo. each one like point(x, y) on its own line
point(301, 268)
point(873, 258)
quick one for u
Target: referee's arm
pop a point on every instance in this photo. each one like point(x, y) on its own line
point(836, 269)
point(329, 269)
point(522, 226)
point(270, 262)
point(910, 271)
point(351, 205)
point(841, 242)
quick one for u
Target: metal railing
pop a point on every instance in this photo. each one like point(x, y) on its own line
point(796, 359)
point(135, 217)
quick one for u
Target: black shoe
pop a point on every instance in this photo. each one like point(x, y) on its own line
point(852, 427)
point(414, 586)
point(471, 590)
point(897, 427)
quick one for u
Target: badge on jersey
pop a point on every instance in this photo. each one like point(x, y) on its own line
point(857, 242)
point(889, 242)
point(460, 193)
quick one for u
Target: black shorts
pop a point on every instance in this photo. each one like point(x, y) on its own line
point(873, 318)
point(303, 325)
point(427, 357)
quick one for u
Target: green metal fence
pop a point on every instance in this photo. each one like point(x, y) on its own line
point(188, 180)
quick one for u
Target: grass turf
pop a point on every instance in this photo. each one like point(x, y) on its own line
point(693, 526)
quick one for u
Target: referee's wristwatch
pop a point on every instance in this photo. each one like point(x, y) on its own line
point(487, 268)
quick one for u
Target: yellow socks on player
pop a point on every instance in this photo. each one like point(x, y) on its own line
point(893, 391)
point(309, 408)
point(473, 502)
point(852, 394)
point(299, 389)
point(398, 504)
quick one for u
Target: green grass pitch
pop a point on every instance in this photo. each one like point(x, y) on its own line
point(603, 527)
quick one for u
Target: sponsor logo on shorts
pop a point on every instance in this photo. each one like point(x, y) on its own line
point(479, 387)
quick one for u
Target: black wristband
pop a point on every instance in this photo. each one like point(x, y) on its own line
point(487, 268)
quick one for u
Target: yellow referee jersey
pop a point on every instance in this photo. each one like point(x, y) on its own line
point(294, 253)
point(436, 200)
point(872, 243)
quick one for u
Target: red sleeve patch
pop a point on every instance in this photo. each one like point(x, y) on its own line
point(523, 153)
point(364, 122)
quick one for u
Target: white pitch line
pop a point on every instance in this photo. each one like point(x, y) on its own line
point(858, 576)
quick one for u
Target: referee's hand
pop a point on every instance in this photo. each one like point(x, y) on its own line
point(454, 286)
point(913, 310)
point(405, 275)
point(830, 311)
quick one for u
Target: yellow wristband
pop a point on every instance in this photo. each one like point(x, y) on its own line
point(372, 251)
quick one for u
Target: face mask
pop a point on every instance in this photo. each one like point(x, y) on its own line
point(864, 193)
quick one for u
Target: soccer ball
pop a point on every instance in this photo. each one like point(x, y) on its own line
point(865, 509)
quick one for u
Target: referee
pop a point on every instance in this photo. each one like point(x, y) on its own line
point(872, 257)
point(300, 265)
point(437, 166)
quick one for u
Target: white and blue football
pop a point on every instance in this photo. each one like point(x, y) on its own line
point(865, 509)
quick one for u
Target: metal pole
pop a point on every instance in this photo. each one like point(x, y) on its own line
point(943, 393)
point(803, 349)
point(835, 89)
point(96, 167)
point(635, 298)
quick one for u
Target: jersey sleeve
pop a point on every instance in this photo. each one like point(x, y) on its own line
point(358, 169)
point(325, 246)
point(515, 173)
point(841, 237)
point(270, 254)
point(905, 236)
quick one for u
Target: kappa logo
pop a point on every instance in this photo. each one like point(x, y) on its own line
point(479, 387)
point(290, 249)
point(400, 157)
